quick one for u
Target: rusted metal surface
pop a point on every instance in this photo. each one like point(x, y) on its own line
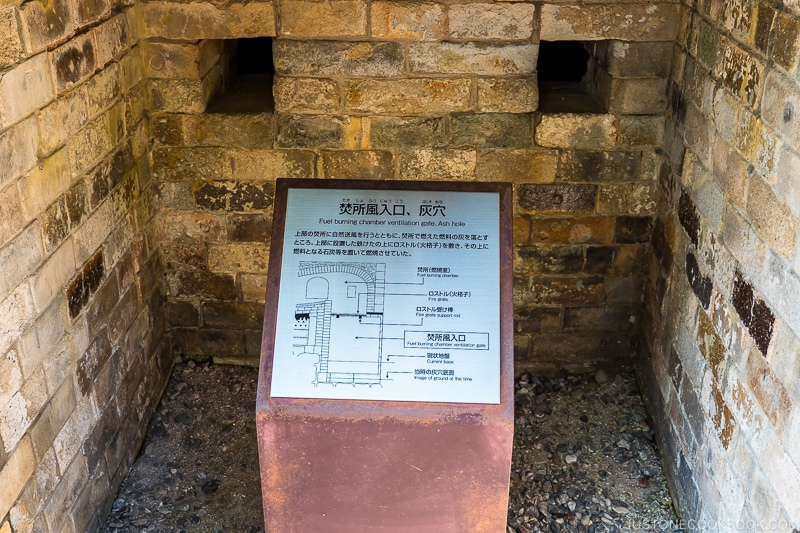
point(377, 466)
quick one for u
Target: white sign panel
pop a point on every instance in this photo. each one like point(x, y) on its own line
point(389, 295)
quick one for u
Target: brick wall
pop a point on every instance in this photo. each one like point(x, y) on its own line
point(83, 355)
point(385, 90)
point(723, 302)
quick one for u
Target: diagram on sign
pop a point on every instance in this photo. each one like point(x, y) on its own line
point(342, 321)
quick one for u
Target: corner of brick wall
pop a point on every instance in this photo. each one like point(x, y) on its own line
point(721, 311)
point(83, 346)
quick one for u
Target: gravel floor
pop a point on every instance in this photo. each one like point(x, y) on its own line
point(584, 459)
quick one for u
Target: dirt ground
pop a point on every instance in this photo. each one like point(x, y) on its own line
point(584, 459)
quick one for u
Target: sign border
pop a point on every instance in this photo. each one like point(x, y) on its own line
point(505, 230)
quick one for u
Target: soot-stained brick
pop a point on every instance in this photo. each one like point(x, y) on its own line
point(754, 312)
point(90, 362)
point(661, 247)
point(233, 196)
point(599, 166)
point(557, 198)
point(108, 174)
point(553, 259)
point(701, 285)
point(690, 220)
point(74, 62)
point(599, 259)
point(85, 284)
point(632, 230)
point(742, 299)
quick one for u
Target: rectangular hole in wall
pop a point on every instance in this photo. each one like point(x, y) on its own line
point(565, 78)
point(247, 72)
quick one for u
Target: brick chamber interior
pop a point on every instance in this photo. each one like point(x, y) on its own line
point(657, 196)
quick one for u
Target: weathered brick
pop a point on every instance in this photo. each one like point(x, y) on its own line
point(199, 226)
point(771, 217)
point(557, 198)
point(406, 132)
point(63, 216)
point(253, 258)
point(69, 439)
point(624, 59)
point(517, 166)
point(305, 95)
point(24, 89)
point(548, 259)
point(578, 319)
point(46, 22)
point(537, 320)
point(641, 131)
point(625, 22)
point(500, 22)
point(600, 259)
point(233, 195)
point(471, 58)
point(18, 147)
point(92, 142)
point(91, 10)
point(318, 131)
point(18, 258)
point(172, 60)
point(627, 199)
point(180, 313)
point(786, 52)
point(184, 254)
point(638, 96)
point(409, 96)
point(206, 20)
point(700, 284)
point(567, 290)
point(730, 172)
point(103, 302)
point(260, 165)
point(83, 285)
point(224, 343)
point(15, 473)
point(582, 166)
point(361, 164)
point(338, 18)
point(111, 38)
point(781, 106)
point(491, 130)
point(10, 41)
point(253, 287)
point(182, 95)
point(417, 21)
point(61, 119)
point(741, 73)
point(249, 227)
point(432, 164)
point(105, 177)
point(336, 58)
point(753, 311)
point(209, 129)
point(202, 284)
point(576, 131)
point(573, 230)
point(191, 164)
point(74, 61)
point(233, 315)
point(742, 239)
point(768, 391)
point(631, 230)
point(508, 95)
point(92, 360)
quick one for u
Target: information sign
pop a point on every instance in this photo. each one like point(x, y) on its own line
point(389, 295)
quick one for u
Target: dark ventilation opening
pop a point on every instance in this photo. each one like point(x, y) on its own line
point(564, 76)
point(248, 73)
